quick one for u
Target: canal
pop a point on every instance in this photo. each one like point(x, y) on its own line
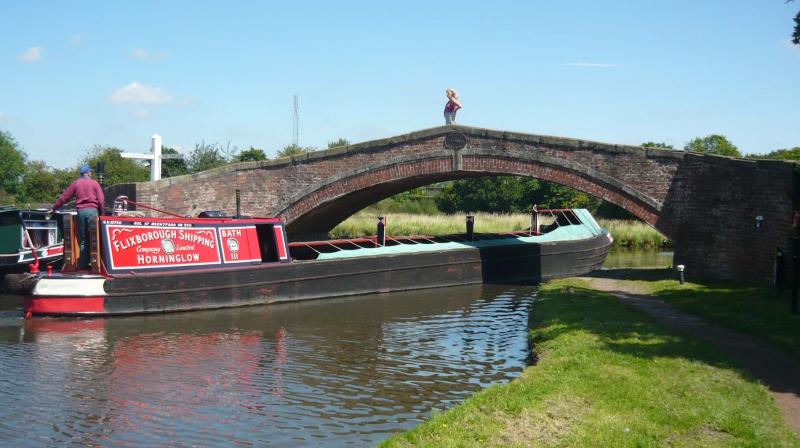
point(343, 372)
point(333, 373)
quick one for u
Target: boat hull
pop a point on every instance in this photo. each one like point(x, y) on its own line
point(313, 279)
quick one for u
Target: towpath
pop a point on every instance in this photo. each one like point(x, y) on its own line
point(777, 370)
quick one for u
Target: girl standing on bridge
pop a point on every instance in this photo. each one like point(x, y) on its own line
point(452, 106)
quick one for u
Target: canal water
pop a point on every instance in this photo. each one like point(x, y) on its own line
point(343, 372)
point(619, 258)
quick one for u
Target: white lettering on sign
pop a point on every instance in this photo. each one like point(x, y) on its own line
point(171, 258)
point(193, 237)
point(136, 240)
point(230, 232)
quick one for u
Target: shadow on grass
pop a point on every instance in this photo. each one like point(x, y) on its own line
point(634, 274)
point(761, 312)
point(618, 327)
point(748, 316)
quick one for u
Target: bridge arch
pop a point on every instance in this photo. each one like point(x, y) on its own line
point(316, 210)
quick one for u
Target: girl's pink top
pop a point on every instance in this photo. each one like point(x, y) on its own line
point(451, 106)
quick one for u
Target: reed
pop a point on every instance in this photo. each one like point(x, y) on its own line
point(629, 234)
point(634, 234)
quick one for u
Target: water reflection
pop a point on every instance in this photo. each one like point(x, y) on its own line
point(638, 258)
point(333, 373)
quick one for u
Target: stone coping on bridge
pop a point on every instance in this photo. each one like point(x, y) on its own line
point(469, 131)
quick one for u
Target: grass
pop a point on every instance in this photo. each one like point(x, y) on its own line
point(607, 376)
point(760, 312)
point(400, 224)
point(632, 234)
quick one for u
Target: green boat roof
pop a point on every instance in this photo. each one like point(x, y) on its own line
point(587, 229)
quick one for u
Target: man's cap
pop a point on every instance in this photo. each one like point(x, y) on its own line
point(85, 168)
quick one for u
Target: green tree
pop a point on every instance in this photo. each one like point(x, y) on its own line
point(499, 194)
point(713, 144)
point(295, 150)
point(173, 167)
point(657, 145)
point(12, 168)
point(251, 155)
point(553, 195)
point(118, 170)
point(796, 34)
point(416, 201)
point(40, 184)
point(339, 142)
point(510, 194)
point(64, 177)
point(206, 157)
point(780, 154)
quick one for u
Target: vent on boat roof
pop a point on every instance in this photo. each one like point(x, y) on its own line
point(212, 214)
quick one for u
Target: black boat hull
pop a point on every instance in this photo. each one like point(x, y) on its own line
point(305, 280)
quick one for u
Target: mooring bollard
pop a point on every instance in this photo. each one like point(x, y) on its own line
point(380, 234)
point(470, 227)
point(680, 269)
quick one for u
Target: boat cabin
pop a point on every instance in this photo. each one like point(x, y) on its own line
point(27, 235)
point(132, 244)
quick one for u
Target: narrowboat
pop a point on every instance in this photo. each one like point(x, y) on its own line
point(28, 236)
point(155, 265)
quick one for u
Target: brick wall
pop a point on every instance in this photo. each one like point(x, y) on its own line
point(710, 211)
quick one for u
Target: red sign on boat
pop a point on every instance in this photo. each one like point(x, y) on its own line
point(148, 245)
point(240, 244)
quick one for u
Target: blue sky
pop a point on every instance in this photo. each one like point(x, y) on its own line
point(76, 74)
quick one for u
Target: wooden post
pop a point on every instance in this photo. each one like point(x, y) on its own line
point(795, 270)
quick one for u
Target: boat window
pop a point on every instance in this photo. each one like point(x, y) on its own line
point(300, 251)
point(8, 219)
point(42, 233)
point(554, 219)
point(572, 217)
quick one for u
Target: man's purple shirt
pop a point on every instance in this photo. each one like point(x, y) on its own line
point(87, 193)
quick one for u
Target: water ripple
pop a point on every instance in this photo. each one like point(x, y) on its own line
point(345, 372)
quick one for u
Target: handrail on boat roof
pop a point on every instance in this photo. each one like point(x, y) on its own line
point(371, 241)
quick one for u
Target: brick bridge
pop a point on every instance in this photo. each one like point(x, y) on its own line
point(705, 204)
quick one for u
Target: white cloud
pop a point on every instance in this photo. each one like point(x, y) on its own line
point(144, 55)
point(141, 114)
point(76, 39)
point(4, 117)
point(31, 55)
point(139, 93)
point(592, 65)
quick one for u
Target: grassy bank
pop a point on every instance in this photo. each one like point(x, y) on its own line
point(606, 376)
point(634, 234)
point(760, 312)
